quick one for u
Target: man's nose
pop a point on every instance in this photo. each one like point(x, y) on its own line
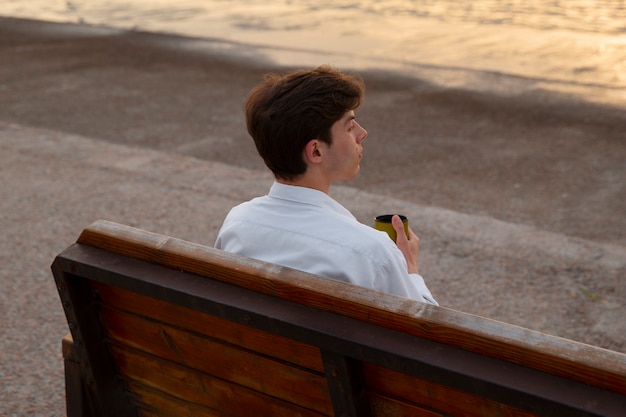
point(363, 134)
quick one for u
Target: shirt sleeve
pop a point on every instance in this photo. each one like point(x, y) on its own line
point(394, 278)
point(423, 289)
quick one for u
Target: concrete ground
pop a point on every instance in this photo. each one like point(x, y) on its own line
point(519, 202)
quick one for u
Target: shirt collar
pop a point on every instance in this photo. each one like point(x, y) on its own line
point(305, 195)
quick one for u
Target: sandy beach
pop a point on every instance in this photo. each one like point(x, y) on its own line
point(519, 201)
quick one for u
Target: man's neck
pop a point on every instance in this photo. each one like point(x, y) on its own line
point(305, 181)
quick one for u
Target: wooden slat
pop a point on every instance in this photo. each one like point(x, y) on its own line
point(161, 405)
point(170, 407)
point(142, 412)
point(281, 348)
point(227, 362)
point(160, 385)
point(76, 401)
point(389, 407)
point(408, 390)
point(577, 361)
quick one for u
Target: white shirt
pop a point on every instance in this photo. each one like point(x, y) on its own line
point(306, 229)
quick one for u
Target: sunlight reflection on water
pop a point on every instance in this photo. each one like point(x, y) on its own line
point(570, 45)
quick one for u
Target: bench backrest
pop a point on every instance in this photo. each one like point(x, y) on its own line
point(165, 327)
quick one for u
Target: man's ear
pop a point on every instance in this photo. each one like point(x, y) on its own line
point(313, 151)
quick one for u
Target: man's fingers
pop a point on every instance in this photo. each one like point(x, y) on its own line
point(409, 247)
point(398, 226)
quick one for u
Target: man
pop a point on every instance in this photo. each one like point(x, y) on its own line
point(304, 127)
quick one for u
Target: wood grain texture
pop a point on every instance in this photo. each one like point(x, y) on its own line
point(281, 348)
point(409, 392)
point(588, 364)
point(162, 385)
point(200, 360)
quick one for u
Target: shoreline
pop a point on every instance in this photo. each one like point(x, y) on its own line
point(441, 76)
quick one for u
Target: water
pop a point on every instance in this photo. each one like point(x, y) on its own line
point(506, 46)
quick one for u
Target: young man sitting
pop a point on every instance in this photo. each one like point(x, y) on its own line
point(304, 127)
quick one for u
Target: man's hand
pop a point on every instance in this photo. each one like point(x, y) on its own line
point(410, 247)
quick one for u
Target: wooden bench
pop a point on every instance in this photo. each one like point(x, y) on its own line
point(164, 327)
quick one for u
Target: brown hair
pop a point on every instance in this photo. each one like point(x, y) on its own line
point(285, 112)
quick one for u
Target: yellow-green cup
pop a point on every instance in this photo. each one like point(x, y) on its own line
point(383, 223)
